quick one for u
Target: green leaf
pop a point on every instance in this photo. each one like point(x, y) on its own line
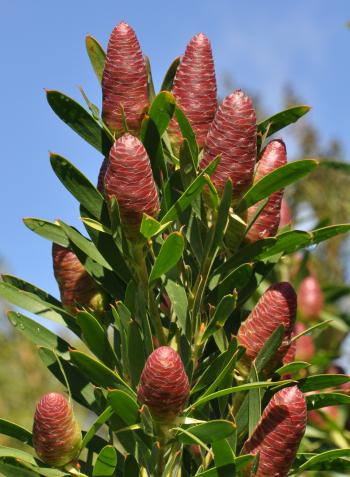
point(96, 371)
point(292, 368)
point(208, 432)
point(178, 297)
point(223, 454)
point(223, 311)
point(94, 224)
point(281, 120)
point(188, 169)
point(187, 133)
point(37, 333)
point(212, 370)
point(321, 381)
point(136, 352)
point(17, 454)
point(254, 402)
point(96, 54)
point(150, 226)
point(29, 287)
point(287, 242)
point(30, 302)
point(236, 389)
point(168, 256)
point(190, 193)
point(153, 127)
point(13, 468)
point(106, 462)
point(276, 180)
point(102, 418)
point(325, 233)
point(268, 351)
point(236, 280)
point(327, 456)
point(226, 371)
point(76, 117)
point(84, 245)
point(96, 338)
point(80, 187)
point(160, 112)
point(150, 85)
point(319, 400)
point(124, 406)
point(10, 429)
point(244, 255)
point(290, 242)
point(170, 75)
point(109, 249)
point(49, 230)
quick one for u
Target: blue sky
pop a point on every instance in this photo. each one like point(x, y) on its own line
point(263, 45)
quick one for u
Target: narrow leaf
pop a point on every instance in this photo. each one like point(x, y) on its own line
point(80, 187)
point(76, 117)
point(282, 119)
point(169, 254)
point(96, 54)
point(48, 230)
point(276, 180)
point(106, 462)
point(124, 406)
point(96, 339)
point(170, 75)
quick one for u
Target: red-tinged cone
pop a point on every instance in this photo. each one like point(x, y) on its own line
point(286, 217)
point(305, 346)
point(164, 385)
point(310, 298)
point(56, 433)
point(124, 81)
point(278, 433)
point(129, 179)
point(195, 88)
point(276, 307)
point(101, 176)
point(78, 290)
point(266, 225)
point(232, 135)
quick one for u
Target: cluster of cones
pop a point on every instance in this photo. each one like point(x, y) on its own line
point(228, 130)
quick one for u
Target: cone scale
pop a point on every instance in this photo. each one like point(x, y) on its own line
point(276, 307)
point(195, 88)
point(77, 288)
point(129, 179)
point(266, 225)
point(278, 434)
point(124, 81)
point(164, 385)
point(56, 433)
point(232, 135)
point(310, 298)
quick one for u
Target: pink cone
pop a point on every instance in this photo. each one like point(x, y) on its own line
point(232, 135)
point(78, 290)
point(164, 385)
point(129, 178)
point(276, 307)
point(286, 214)
point(56, 433)
point(124, 82)
point(310, 298)
point(278, 434)
point(266, 225)
point(195, 88)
